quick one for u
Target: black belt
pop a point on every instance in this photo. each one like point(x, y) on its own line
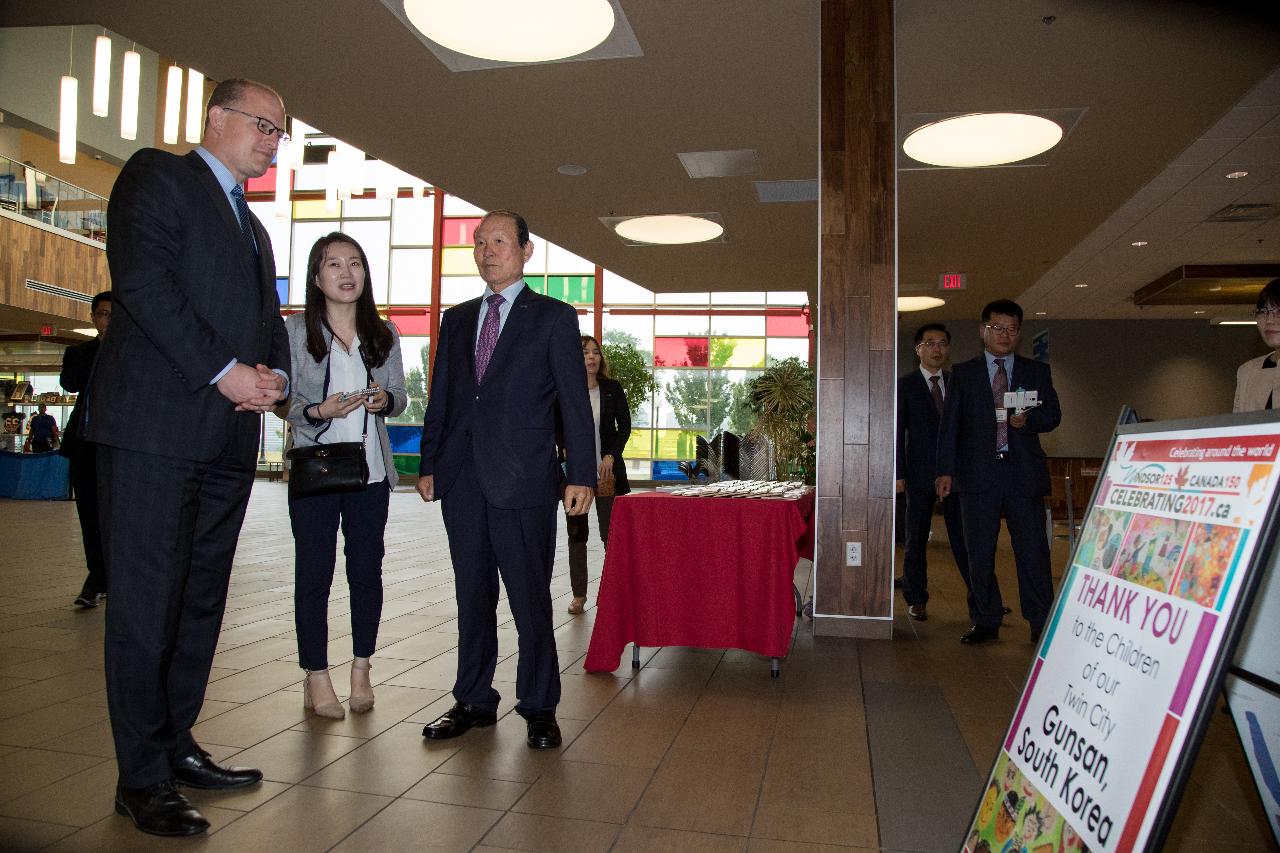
point(1002, 455)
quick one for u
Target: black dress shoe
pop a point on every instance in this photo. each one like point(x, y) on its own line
point(978, 634)
point(198, 771)
point(918, 612)
point(544, 731)
point(458, 720)
point(160, 809)
point(88, 598)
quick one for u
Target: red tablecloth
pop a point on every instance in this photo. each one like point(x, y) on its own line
point(704, 572)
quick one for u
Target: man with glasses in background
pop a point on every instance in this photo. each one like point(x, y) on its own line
point(1258, 380)
point(921, 394)
point(195, 352)
point(990, 453)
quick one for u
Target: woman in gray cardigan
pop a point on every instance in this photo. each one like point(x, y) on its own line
point(340, 345)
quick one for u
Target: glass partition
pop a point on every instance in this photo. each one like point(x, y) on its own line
point(28, 192)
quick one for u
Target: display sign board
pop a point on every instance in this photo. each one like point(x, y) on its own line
point(1138, 641)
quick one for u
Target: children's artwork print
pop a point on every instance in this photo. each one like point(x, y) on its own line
point(1210, 551)
point(1015, 818)
point(1100, 540)
point(1152, 551)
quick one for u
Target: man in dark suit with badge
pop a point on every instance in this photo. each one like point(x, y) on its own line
point(505, 362)
point(195, 352)
point(990, 452)
point(921, 395)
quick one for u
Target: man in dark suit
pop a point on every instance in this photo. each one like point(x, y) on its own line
point(921, 394)
point(504, 362)
point(195, 352)
point(77, 365)
point(992, 456)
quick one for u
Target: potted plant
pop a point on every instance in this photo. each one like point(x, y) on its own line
point(782, 399)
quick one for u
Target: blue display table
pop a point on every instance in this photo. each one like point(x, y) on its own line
point(34, 476)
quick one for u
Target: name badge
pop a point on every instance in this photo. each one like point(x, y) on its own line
point(1001, 416)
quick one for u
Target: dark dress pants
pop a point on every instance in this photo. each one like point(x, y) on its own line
point(1025, 517)
point(84, 482)
point(915, 580)
point(579, 533)
point(315, 522)
point(169, 534)
point(486, 541)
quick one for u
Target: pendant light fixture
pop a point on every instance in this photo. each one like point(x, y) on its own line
point(195, 104)
point(284, 173)
point(129, 85)
point(102, 75)
point(331, 183)
point(69, 95)
point(172, 105)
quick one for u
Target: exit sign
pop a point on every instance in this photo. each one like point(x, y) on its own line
point(46, 331)
point(951, 281)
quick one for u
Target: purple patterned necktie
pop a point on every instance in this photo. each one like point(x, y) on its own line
point(999, 385)
point(488, 335)
point(936, 390)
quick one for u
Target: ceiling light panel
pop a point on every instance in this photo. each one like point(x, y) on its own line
point(667, 229)
point(720, 164)
point(507, 33)
point(989, 140)
point(918, 303)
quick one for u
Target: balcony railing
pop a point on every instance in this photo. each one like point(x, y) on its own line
point(28, 192)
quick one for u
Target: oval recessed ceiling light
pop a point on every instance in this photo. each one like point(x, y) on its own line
point(982, 139)
point(572, 169)
point(1082, 285)
point(918, 303)
point(1231, 176)
point(1138, 244)
point(669, 229)
point(1041, 313)
point(1197, 312)
point(513, 30)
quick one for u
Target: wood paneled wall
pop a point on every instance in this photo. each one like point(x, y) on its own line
point(857, 320)
point(30, 252)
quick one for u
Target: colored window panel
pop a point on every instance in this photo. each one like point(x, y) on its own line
point(412, 324)
point(412, 221)
point(675, 444)
point(639, 445)
point(405, 438)
point(787, 327)
point(407, 464)
point(780, 348)
point(459, 232)
point(282, 290)
point(536, 283)
point(366, 208)
point(264, 184)
point(736, 326)
point(667, 470)
point(313, 209)
point(410, 276)
point(681, 324)
point(457, 262)
point(737, 352)
point(680, 352)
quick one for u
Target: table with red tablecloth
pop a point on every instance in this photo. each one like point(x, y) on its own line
point(709, 572)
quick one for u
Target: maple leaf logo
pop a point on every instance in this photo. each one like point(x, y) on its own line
point(1180, 478)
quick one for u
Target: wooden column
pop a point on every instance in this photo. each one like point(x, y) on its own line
point(857, 320)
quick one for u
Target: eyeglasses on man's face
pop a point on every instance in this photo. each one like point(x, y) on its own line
point(941, 343)
point(265, 125)
point(996, 328)
point(1267, 313)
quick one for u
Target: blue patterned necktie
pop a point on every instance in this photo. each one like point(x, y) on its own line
point(488, 335)
point(242, 214)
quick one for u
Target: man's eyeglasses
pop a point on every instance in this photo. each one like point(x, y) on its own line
point(1268, 314)
point(934, 344)
point(1002, 330)
point(265, 126)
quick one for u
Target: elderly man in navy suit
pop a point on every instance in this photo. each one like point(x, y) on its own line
point(196, 350)
point(921, 395)
point(505, 361)
point(991, 454)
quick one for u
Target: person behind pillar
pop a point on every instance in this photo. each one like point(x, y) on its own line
point(1258, 380)
point(921, 394)
point(504, 362)
point(195, 352)
point(991, 455)
point(77, 365)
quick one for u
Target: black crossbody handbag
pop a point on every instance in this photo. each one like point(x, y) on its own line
point(326, 469)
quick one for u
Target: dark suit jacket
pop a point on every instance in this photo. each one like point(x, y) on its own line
point(189, 296)
point(77, 365)
point(967, 437)
point(918, 421)
point(507, 422)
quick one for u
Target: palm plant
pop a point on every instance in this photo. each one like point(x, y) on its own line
point(782, 399)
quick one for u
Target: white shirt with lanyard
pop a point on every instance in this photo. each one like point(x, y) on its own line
point(347, 373)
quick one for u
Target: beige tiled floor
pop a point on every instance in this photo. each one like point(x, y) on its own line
point(698, 750)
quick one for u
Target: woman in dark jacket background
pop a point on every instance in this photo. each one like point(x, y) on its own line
point(613, 428)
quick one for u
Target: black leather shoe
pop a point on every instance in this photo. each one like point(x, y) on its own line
point(544, 731)
point(160, 809)
point(88, 598)
point(198, 771)
point(978, 634)
point(918, 612)
point(458, 720)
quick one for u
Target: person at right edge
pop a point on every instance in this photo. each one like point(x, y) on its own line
point(1258, 380)
point(992, 456)
point(505, 361)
